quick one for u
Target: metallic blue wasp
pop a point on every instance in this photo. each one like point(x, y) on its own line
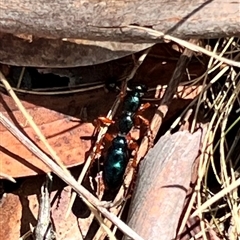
point(117, 156)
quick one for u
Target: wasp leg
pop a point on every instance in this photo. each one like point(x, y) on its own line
point(132, 145)
point(144, 107)
point(134, 163)
point(143, 120)
point(139, 119)
point(106, 121)
point(109, 137)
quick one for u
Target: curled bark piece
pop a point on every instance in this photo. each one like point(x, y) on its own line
point(106, 20)
point(40, 52)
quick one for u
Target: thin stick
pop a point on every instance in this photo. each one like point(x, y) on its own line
point(83, 193)
point(21, 77)
point(170, 91)
point(137, 64)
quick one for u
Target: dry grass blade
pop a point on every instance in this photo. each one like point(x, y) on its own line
point(221, 105)
point(64, 92)
point(7, 177)
point(216, 197)
point(223, 102)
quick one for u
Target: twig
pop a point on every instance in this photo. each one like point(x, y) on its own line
point(137, 64)
point(84, 194)
point(170, 91)
point(20, 77)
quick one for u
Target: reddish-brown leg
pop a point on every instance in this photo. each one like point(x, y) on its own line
point(105, 121)
point(143, 120)
point(143, 107)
